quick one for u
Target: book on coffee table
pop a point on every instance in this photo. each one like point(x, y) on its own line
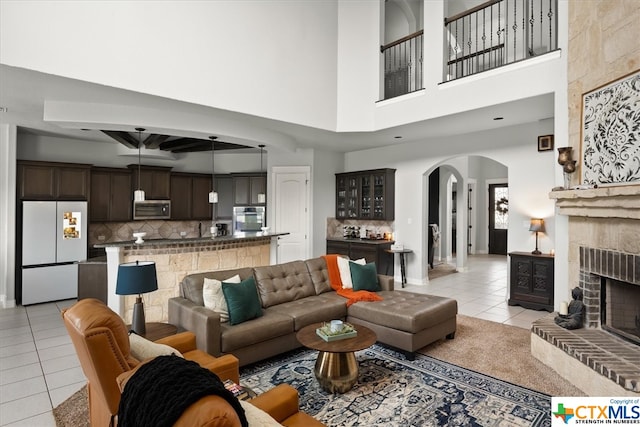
point(238, 391)
point(328, 335)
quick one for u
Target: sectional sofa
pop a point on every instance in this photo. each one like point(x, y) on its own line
point(296, 294)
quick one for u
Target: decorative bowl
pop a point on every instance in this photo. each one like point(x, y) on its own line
point(139, 236)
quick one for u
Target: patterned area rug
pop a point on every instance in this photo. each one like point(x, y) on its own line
point(396, 392)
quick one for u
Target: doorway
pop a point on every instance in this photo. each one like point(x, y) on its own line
point(498, 218)
point(291, 212)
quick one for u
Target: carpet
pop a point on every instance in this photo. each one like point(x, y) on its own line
point(392, 391)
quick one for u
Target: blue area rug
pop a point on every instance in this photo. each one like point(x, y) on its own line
point(393, 391)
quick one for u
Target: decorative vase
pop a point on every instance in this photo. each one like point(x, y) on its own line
point(564, 155)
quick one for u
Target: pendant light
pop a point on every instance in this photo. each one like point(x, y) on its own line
point(213, 195)
point(262, 197)
point(138, 195)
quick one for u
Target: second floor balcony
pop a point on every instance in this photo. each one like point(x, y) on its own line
point(491, 35)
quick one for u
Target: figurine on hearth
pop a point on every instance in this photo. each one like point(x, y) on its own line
point(572, 320)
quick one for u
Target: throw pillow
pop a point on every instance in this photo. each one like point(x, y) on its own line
point(214, 298)
point(256, 417)
point(142, 348)
point(242, 300)
point(345, 271)
point(364, 277)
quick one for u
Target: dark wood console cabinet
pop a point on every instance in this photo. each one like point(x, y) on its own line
point(531, 281)
point(371, 252)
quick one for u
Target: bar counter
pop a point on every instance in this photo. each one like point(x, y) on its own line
point(175, 258)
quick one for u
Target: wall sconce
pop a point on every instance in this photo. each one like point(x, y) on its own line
point(537, 225)
point(137, 278)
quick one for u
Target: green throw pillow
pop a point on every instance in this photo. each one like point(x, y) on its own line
point(242, 300)
point(364, 277)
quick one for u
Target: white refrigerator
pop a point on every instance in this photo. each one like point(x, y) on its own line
point(54, 239)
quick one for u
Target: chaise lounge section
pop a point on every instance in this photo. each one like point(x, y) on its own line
point(296, 294)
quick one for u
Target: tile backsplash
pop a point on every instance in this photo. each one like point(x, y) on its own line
point(110, 232)
point(335, 227)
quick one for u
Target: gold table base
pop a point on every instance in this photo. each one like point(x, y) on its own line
point(336, 372)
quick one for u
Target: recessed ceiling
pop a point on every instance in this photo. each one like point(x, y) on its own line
point(174, 144)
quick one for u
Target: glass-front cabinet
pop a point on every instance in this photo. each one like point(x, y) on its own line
point(366, 194)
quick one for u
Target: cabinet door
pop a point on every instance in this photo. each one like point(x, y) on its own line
point(224, 187)
point(336, 247)
point(180, 197)
point(99, 202)
point(353, 191)
point(155, 181)
point(366, 197)
point(37, 182)
point(241, 190)
point(121, 197)
point(72, 183)
point(200, 206)
point(341, 196)
point(363, 250)
point(257, 185)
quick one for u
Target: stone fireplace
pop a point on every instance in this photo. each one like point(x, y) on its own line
point(603, 357)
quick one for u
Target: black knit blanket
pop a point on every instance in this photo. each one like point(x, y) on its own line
point(159, 392)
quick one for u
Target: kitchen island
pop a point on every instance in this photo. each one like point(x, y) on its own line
point(175, 258)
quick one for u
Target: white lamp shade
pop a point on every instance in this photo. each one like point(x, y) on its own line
point(262, 198)
point(213, 197)
point(138, 195)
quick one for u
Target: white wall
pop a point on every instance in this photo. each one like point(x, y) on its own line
point(325, 165)
point(531, 177)
point(7, 214)
point(187, 50)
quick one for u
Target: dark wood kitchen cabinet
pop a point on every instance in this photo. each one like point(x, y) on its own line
point(111, 195)
point(531, 281)
point(155, 181)
point(366, 195)
point(53, 181)
point(247, 187)
point(190, 196)
point(373, 251)
point(224, 187)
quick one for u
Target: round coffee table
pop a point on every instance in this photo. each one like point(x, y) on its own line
point(336, 367)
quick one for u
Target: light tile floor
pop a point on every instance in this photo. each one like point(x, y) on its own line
point(39, 368)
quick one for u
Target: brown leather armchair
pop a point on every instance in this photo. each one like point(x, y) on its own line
point(101, 340)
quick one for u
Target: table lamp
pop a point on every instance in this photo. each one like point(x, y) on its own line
point(537, 225)
point(137, 278)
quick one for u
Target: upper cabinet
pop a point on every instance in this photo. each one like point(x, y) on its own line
point(246, 188)
point(111, 195)
point(224, 187)
point(366, 195)
point(155, 181)
point(190, 196)
point(53, 181)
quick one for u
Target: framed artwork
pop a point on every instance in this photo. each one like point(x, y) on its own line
point(610, 133)
point(545, 143)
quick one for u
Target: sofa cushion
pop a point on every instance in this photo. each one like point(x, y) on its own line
point(266, 327)
point(405, 311)
point(242, 300)
point(319, 274)
point(192, 284)
point(318, 308)
point(214, 297)
point(345, 271)
point(283, 282)
point(364, 277)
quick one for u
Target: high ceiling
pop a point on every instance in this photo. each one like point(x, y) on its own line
point(49, 105)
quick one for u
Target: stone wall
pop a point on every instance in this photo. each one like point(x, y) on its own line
point(603, 46)
point(171, 268)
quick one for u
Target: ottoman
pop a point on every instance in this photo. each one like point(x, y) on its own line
point(406, 320)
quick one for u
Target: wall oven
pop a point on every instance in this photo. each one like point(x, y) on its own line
point(248, 218)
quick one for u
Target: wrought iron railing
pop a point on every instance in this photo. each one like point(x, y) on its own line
point(497, 33)
point(403, 65)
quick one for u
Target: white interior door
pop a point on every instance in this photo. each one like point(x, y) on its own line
point(291, 213)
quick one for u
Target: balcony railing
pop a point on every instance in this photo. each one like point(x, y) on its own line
point(497, 33)
point(403, 65)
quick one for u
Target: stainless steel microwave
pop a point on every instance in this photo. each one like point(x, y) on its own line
point(152, 209)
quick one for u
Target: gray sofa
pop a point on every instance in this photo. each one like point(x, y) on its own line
point(296, 294)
